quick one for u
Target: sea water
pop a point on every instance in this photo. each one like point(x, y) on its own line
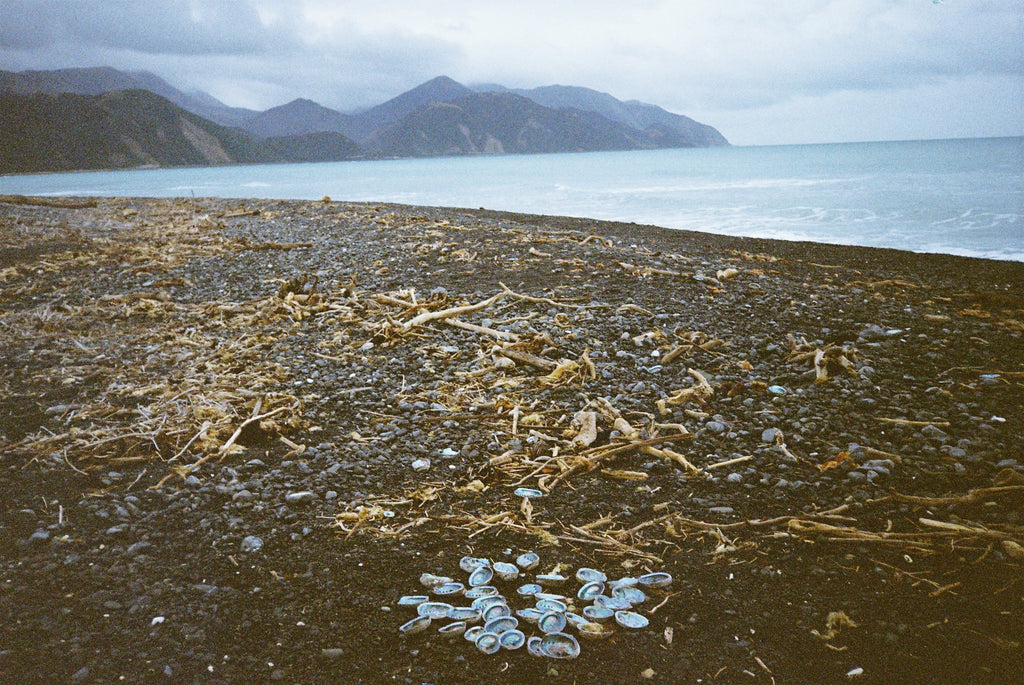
point(962, 197)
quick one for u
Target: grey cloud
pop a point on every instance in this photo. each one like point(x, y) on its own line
point(347, 71)
point(828, 48)
point(226, 48)
point(171, 27)
point(25, 25)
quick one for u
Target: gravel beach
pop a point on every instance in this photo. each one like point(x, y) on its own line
point(235, 433)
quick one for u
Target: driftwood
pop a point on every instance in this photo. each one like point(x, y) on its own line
point(427, 317)
point(277, 246)
point(588, 429)
point(526, 358)
point(227, 446)
point(974, 496)
point(589, 459)
point(482, 330)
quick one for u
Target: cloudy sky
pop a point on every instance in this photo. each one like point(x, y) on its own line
point(761, 71)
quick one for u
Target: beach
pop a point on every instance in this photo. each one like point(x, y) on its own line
point(236, 432)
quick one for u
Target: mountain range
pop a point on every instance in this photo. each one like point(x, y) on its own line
point(104, 118)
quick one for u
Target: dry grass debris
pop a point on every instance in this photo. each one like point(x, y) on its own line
point(180, 383)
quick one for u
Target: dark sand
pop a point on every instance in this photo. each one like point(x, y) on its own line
point(215, 414)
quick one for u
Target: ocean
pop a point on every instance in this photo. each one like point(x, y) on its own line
point(963, 197)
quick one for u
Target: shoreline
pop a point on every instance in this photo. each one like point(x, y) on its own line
point(792, 248)
point(236, 432)
point(978, 219)
point(847, 250)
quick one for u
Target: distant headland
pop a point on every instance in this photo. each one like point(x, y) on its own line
point(102, 118)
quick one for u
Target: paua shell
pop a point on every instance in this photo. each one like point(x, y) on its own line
point(449, 589)
point(488, 643)
point(480, 576)
point(574, 619)
point(594, 631)
point(531, 493)
point(512, 639)
point(417, 625)
point(590, 575)
point(626, 581)
point(613, 603)
point(631, 619)
point(658, 580)
point(495, 611)
point(559, 646)
point(590, 590)
point(506, 571)
point(467, 614)
point(552, 622)
point(596, 614)
point(529, 614)
point(453, 629)
point(501, 624)
point(527, 561)
point(470, 564)
point(480, 591)
point(552, 605)
point(434, 609)
point(482, 604)
point(429, 580)
point(412, 600)
point(633, 595)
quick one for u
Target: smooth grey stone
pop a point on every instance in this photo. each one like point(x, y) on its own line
point(252, 543)
point(880, 466)
point(300, 497)
point(873, 332)
point(138, 547)
point(244, 495)
point(933, 433)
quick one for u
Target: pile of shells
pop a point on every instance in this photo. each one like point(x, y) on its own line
point(592, 607)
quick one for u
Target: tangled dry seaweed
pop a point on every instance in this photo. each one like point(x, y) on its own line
point(181, 383)
point(174, 382)
point(201, 388)
point(563, 449)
